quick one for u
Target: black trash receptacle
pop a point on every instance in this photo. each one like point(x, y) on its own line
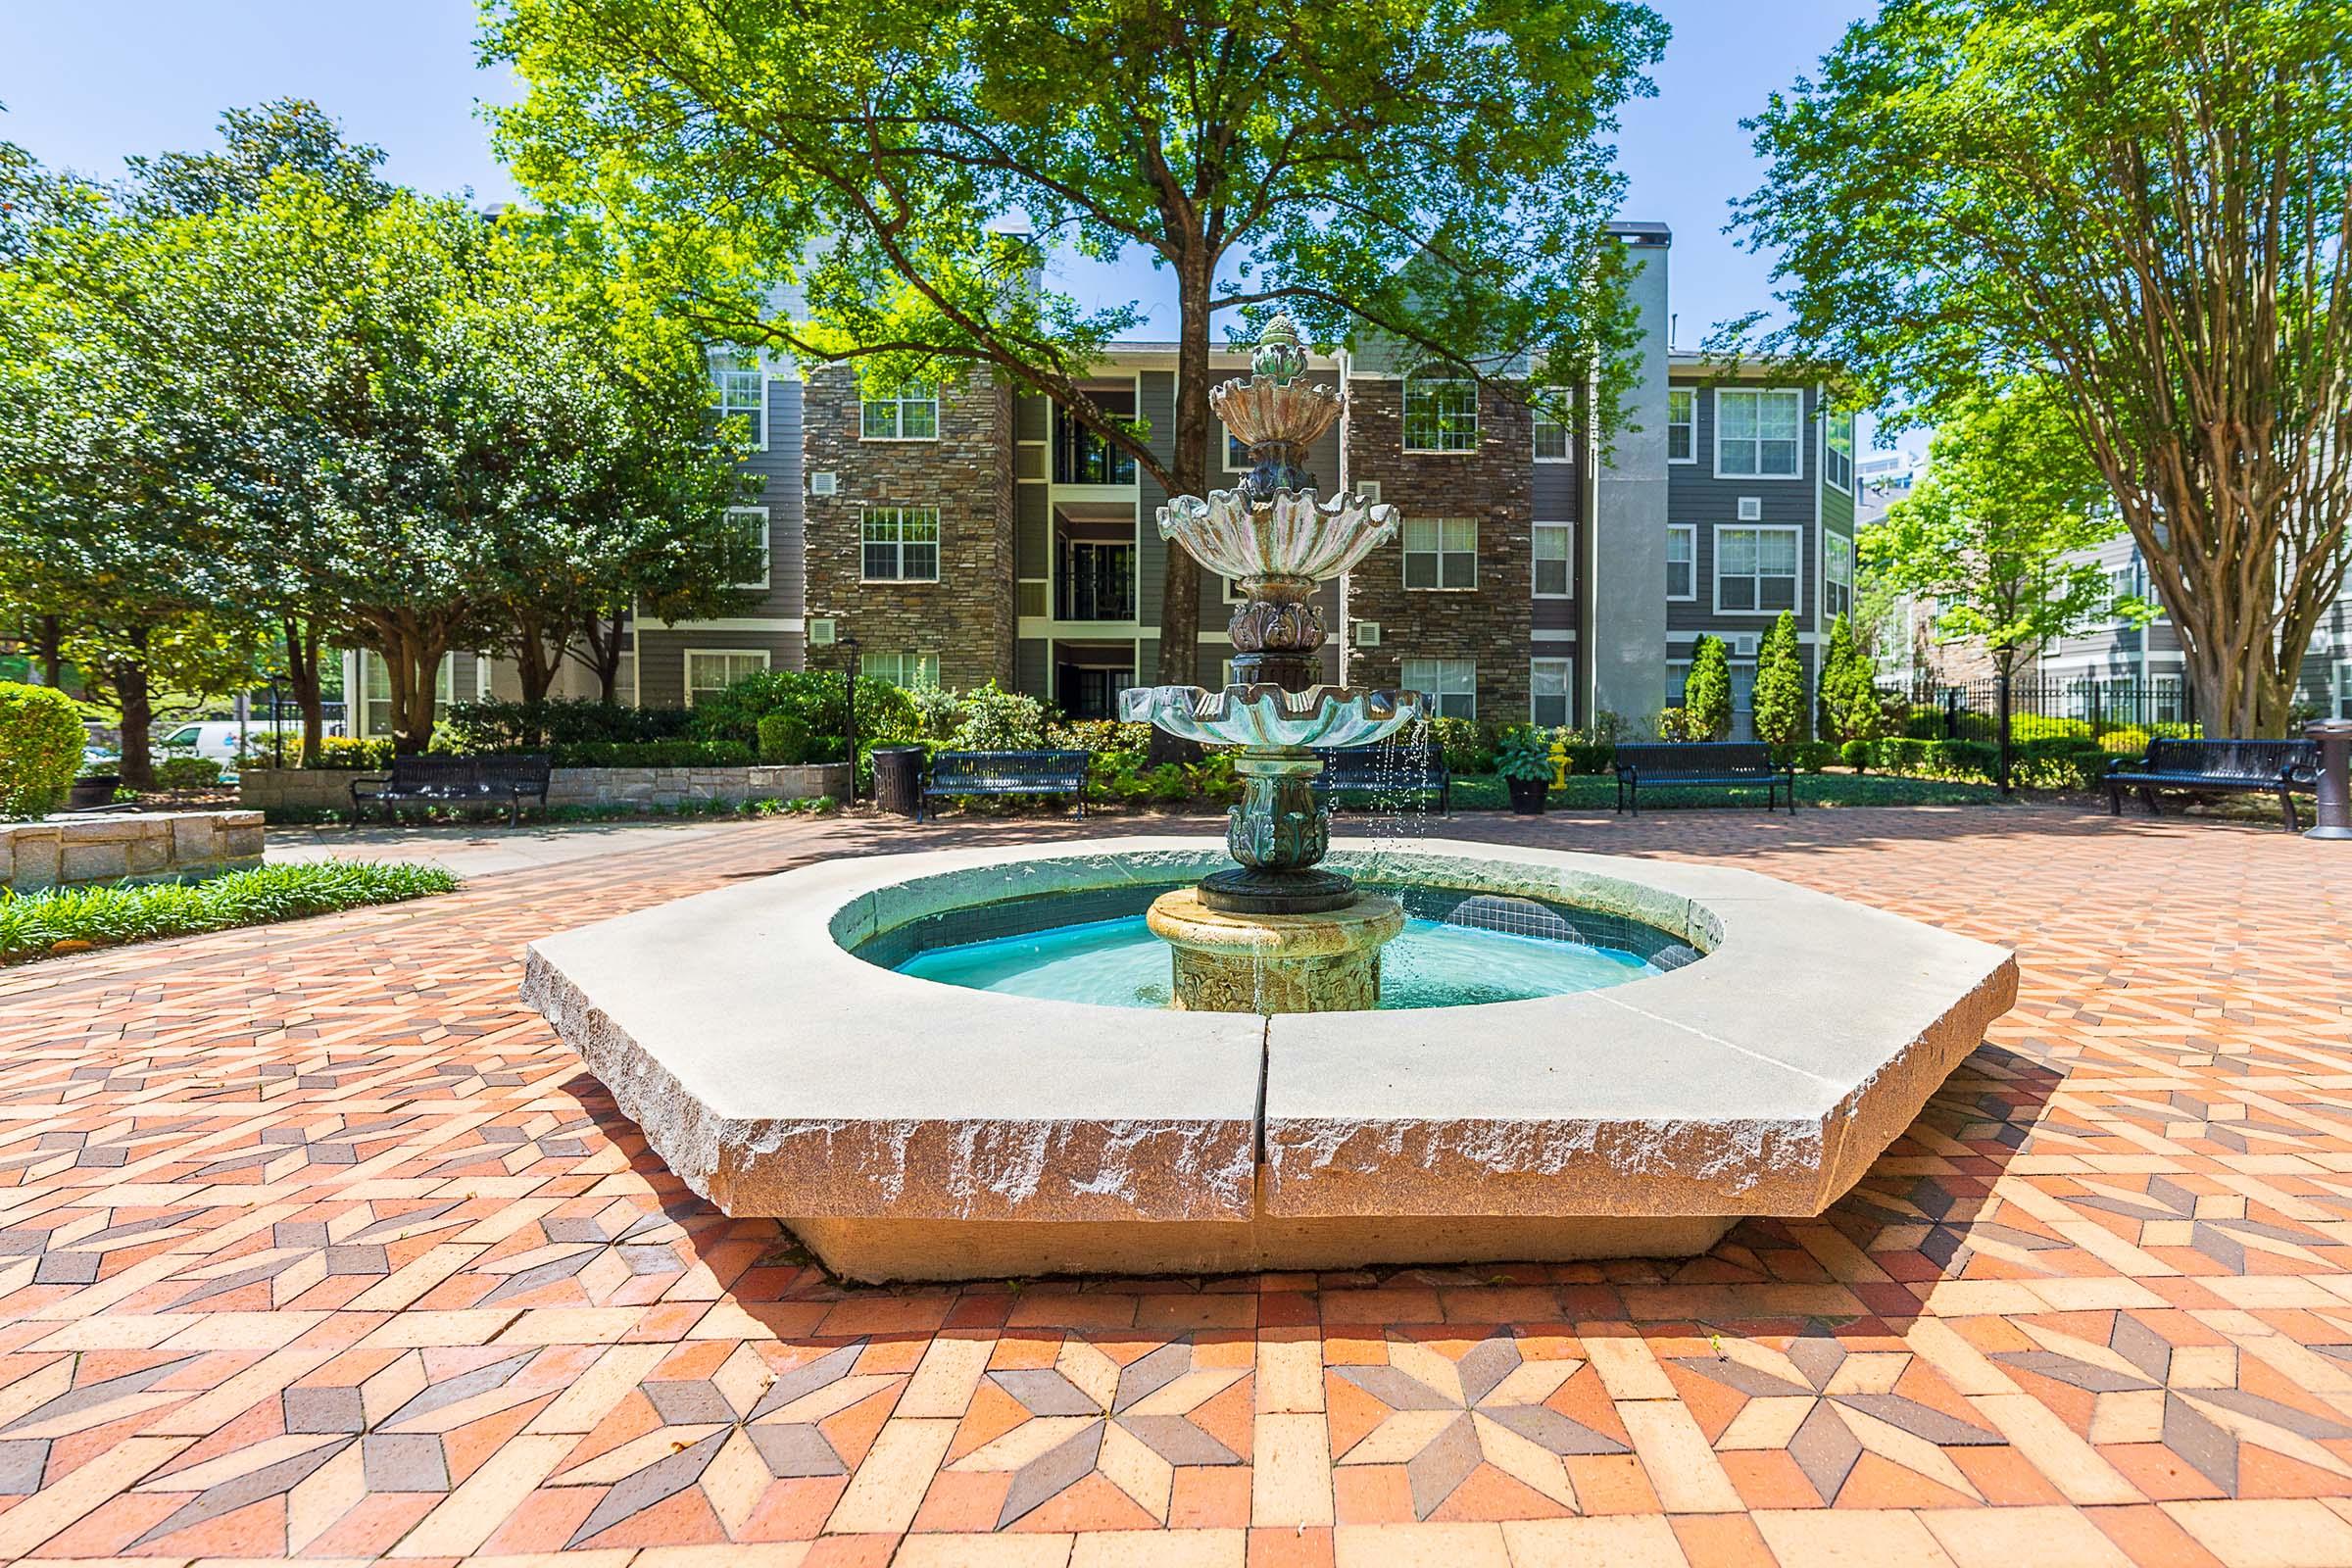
point(898, 778)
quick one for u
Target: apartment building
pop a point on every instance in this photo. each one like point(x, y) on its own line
point(960, 533)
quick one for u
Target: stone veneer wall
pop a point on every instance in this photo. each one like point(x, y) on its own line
point(329, 789)
point(138, 846)
point(966, 618)
point(1491, 623)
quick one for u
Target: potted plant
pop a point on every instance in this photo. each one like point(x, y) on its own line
point(95, 784)
point(1524, 760)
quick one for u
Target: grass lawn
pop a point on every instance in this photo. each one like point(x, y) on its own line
point(61, 920)
point(1598, 792)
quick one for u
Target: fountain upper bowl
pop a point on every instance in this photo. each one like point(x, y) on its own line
point(1294, 535)
point(1265, 714)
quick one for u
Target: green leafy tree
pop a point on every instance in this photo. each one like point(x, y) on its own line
point(2150, 205)
point(1435, 179)
point(1849, 688)
point(1999, 530)
point(1707, 691)
point(1779, 698)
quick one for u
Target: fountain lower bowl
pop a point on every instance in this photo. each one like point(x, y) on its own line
point(907, 1129)
point(1265, 715)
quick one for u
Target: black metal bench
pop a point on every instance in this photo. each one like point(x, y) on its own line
point(458, 781)
point(2271, 767)
point(1390, 772)
point(1712, 764)
point(1006, 773)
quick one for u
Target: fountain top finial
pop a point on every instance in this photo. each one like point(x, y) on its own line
point(1278, 358)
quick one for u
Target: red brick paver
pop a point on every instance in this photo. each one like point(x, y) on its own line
point(313, 1243)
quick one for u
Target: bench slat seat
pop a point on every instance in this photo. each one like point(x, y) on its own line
point(1396, 772)
point(1057, 772)
point(1712, 764)
point(459, 781)
point(2265, 766)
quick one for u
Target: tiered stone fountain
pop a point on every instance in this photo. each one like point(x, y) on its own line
point(1276, 933)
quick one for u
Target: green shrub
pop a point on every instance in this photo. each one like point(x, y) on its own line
point(1811, 757)
point(1680, 724)
point(1778, 699)
point(938, 712)
point(1468, 745)
point(999, 721)
point(1100, 736)
point(2053, 745)
point(1708, 693)
point(2037, 727)
point(784, 739)
point(818, 699)
point(1589, 756)
point(2129, 740)
point(1849, 696)
point(187, 773)
point(2076, 770)
point(1855, 753)
point(1924, 723)
point(347, 753)
point(490, 729)
point(1964, 759)
point(67, 919)
point(40, 747)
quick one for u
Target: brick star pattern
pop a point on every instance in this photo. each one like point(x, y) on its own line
point(316, 1245)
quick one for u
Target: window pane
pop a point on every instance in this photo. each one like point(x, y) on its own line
point(1551, 577)
point(1420, 534)
point(1680, 543)
point(881, 420)
point(1460, 533)
point(1458, 569)
point(921, 563)
point(1421, 569)
point(919, 419)
point(1735, 415)
point(1777, 593)
point(1735, 551)
point(1738, 593)
point(919, 525)
point(881, 561)
point(1779, 416)
point(1678, 579)
point(1778, 552)
point(1778, 457)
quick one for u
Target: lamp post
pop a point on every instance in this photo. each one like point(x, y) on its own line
point(849, 681)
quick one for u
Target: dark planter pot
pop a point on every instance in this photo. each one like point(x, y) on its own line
point(1527, 795)
point(96, 789)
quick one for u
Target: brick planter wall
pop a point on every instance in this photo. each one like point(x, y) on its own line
point(291, 789)
point(137, 847)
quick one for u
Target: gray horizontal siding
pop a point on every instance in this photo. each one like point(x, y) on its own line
point(661, 658)
point(1693, 495)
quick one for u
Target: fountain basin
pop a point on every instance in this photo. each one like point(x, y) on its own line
point(907, 1129)
point(1268, 717)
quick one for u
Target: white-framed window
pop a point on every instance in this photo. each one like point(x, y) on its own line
point(910, 414)
point(1678, 680)
point(1555, 442)
point(1451, 685)
point(903, 670)
point(1237, 451)
point(740, 387)
point(752, 521)
point(1756, 570)
point(1549, 681)
point(1556, 560)
point(1682, 425)
point(711, 670)
point(1440, 414)
point(1759, 433)
point(901, 545)
point(1682, 562)
point(1441, 553)
point(1838, 575)
point(1837, 452)
point(2343, 693)
point(376, 690)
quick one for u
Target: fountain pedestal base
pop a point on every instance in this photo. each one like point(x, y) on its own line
point(1328, 962)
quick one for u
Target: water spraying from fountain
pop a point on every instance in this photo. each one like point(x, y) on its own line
point(1277, 932)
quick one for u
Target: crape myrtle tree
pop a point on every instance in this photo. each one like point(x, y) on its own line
point(2000, 532)
point(2147, 204)
point(115, 544)
point(886, 184)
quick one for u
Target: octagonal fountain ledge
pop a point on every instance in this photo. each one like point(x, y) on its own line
point(907, 1129)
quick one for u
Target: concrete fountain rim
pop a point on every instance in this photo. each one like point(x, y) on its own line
point(778, 1073)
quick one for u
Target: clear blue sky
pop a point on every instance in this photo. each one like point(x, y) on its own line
point(86, 85)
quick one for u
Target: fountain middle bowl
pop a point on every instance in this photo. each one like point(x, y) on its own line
point(1267, 716)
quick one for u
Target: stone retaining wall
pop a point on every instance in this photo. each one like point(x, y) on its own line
point(328, 789)
point(140, 846)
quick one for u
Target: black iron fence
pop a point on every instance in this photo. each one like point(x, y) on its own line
point(2121, 713)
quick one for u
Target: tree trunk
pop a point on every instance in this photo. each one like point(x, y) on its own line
point(601, 636)
point(412, 652)
point(128, 677)
point(49, 640)
point(302, 673)
point(538, 650)
point(1187, 473)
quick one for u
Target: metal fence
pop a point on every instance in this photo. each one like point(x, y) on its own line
point(2009, 712)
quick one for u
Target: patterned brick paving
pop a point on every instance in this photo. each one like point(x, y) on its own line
point(313, 1243)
